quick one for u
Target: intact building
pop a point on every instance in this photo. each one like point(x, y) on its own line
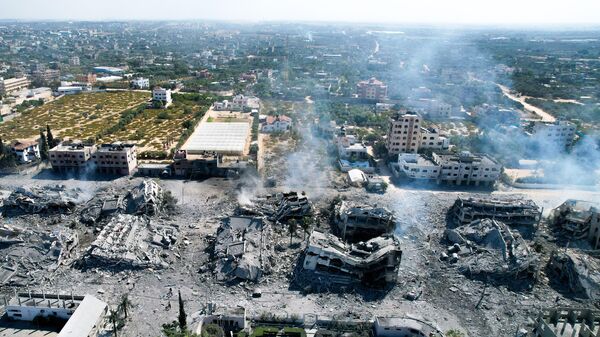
point(13, 84)
point(372, 89)
point(46, 76)
point(26, 151)
point(80, 316)
point(74, 61)
point(559, 133)
point(71, 157)
point(115, 158)
point(141, 83)
point(467, 168)
point(406, 135)
point(162, 95)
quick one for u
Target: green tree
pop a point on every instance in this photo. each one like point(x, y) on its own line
point(305, 224)
point(182, 318)
point(43, 146)
point(212, 330)
point(125, 304)
point(50, 137)
point(292, 227)
point(113, 317)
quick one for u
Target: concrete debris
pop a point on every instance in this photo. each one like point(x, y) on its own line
point(489, 249)
point(579, 271)
point(557, 322)
point(125, 243)
point(511, 211)
point(146, 199)
point(579, 218)
point(359, 223)
point(279, 207)
point(54, 199)
point(241, 249)
point(373, 263)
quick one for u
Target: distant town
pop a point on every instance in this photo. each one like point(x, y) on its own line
point(220, 179)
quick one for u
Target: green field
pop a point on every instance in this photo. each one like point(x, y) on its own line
point(81, 116)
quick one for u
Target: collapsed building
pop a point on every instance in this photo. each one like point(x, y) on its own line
point(578, 270)
point(489, 248)
point(511, 211)
point(581, 219)
point(241, 249)
point(146, 198)
point(126, 242)
point(50, 199)
point(371, 263)
point(558, 322)
point(361, 223)
point(279, 207)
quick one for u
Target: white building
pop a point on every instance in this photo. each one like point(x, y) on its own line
point(141, 83)
point(162, 95)
point(13, 84)
point(280, 123)
point(242, 103)
point(404, 327)
point(222, 106)
point(560, 133)
point(418, 167)
point(85, 316)
point(74, 61)
point(69, 90)
point(26, 151)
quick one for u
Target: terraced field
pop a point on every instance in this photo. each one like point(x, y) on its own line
point(80, 116)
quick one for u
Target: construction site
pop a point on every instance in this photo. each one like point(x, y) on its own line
point(436, 262)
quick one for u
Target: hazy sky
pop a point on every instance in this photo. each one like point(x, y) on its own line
point(504, 12)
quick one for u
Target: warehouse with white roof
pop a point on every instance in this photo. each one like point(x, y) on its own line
point(228, 138)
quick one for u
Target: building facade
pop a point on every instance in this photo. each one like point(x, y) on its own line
point(115, 158)
point(73, 157)
point(467, 168)
point(406, 135)
point(13, 84)
point(26, 151)
point(418, 167)
point(280, 123)
point(141, 83)
point(560, 133)
point(372, 89)
point(162, 95)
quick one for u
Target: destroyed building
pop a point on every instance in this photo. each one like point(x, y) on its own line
point(490, 249)
point(126, 242)
point(578, 270)
point(559, 322)
point(581, 219)
point(511, 211)
point(146, 198)
point(371, 263)
point(241, 249)
point(49, 199)
point(361, 223)
point(279, 207)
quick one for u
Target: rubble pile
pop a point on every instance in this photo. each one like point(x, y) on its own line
point(329, 261)
point(360, 223)
point(511, 211)
point(241, 249)
point(28, 255)
point(279, 207)
point(55, 199)
point(578, 270)
point(145, 199)
point(124, 242)
point(489, 248)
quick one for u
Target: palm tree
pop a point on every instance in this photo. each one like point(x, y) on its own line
point(114, 318)
point(292, 226)
point(305, 224)
point(125, 304)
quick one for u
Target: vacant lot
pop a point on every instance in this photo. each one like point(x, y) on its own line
point(80, 116)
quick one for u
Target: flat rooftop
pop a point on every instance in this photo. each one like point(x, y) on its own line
point(221, 137)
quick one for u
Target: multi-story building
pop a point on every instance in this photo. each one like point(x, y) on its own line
point(115, 158)
point(70, 157)
point(26, 151)
point(406, 135)
point(372, 89)
point(89, 78)
point(13, 84)
point(162, 95)
point(74, 61)
point(559, 134)
point(418, 167)
point(46, 76)
point(467, 168)
point(141, 83)
point(279, 123)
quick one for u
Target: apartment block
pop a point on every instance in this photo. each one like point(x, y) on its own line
point(71, 157)
point(406, 135)
point(115, 158)
point(560, 133)
point(13, 84)
point(372, 89)
point(162, 95)
point(467, 168)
